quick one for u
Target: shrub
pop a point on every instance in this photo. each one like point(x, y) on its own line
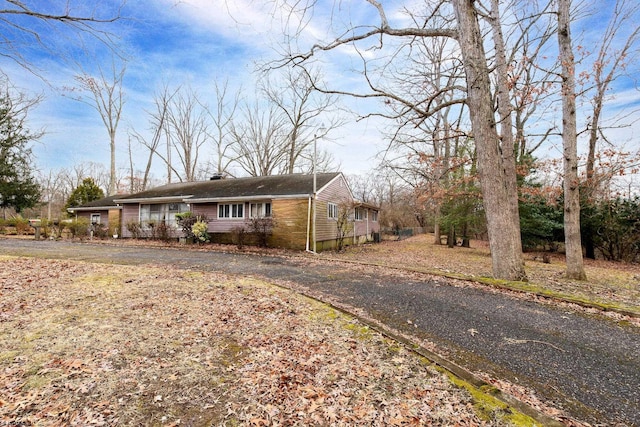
point(617, 229)
point(199, 230)
point(22, 226)
point(79, 228)
point(261, 228)
point(163, 231)
point(100, 231)
point(187, 220)
point(239, 236)
point(114, 226)
point(151, 226)
point(56, 227)
point(134, 228)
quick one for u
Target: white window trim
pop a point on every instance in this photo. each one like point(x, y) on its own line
point(332, 208)
point(95, 215)
point(262, 210)
point(231, 217)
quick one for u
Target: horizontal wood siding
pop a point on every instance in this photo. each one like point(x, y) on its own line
point(130, 213)
point(336, 192)
point(290, 229)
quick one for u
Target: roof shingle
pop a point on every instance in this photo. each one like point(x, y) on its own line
point(228, 188)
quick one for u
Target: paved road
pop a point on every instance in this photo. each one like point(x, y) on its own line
point(586, 364)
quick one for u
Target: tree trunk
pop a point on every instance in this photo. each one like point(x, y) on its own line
point(573, 244)
point(112, 169)
point(498, 196)
point(436, 225)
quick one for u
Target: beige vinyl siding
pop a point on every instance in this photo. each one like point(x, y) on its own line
point(336, 192)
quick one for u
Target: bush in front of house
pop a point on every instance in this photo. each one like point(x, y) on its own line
point(200, 231)
point(187, 220)
point(134, 228)
point(261, 228)
point(239, 236)
point(100, 231)
point(79, 228)
point(163, 232)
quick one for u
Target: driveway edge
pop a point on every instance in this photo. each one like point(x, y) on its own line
point(476, 382)
point(498, 284)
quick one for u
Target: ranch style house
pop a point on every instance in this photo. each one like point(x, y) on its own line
point(301, 221)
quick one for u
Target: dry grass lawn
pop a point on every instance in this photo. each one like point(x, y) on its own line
point(94, 344)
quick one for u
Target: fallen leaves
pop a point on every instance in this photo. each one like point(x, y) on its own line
point(92, 344)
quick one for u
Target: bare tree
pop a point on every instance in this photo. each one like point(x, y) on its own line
point(573, 243)
point(260, 140)
point(52, 185)
point(107, 98)
point(304, 109)
point(423, 148)
point(221, 116)
point(22, 30)
point(187, 129)
point(609, 65)
point(158, 129)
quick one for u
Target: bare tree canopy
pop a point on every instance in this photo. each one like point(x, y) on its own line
point(27, 26)
point(106, 96)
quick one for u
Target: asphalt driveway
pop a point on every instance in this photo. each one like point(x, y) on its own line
point(584, 363)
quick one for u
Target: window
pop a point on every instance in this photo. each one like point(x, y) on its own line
point(231, 210)
point(95, 218)
point(360, 214)
point(332, 211)
point(162, 212)
point(374, 216)
point(259, 210)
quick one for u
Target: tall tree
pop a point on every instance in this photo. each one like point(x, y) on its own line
point(573, 242)
point(494, 161)
point(616, 50)
point(187, 129)
point(463, 26)
point(107, 98)
point(221, 116)
point(618, 47)
point(18, 187)
point(159, 128)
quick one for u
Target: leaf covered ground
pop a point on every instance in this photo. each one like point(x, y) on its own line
point(96, 344)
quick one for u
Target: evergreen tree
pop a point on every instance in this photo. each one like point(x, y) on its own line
point(18, 188)
point(86, 192)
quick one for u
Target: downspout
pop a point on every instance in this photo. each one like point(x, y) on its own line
point(366, 237)
point(308, 225)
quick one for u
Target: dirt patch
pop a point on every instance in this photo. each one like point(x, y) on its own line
point(84, 343)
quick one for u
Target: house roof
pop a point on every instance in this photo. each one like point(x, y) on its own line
point(100, 204)
point(294, 185)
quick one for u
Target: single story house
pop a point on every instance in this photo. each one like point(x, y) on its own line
point(301, 221)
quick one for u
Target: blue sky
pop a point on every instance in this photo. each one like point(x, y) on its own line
point(196, 43)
